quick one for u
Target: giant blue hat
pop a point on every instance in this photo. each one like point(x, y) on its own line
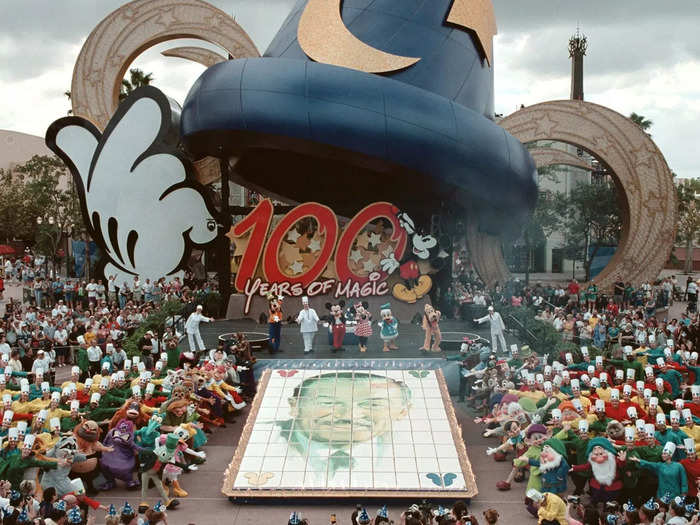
point(395, 98)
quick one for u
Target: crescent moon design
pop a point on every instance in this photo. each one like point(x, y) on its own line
point(323, 36)
point(477, 16)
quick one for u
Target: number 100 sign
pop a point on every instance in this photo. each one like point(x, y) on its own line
point(256, 225)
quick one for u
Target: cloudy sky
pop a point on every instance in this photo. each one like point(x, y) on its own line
point(644, 56)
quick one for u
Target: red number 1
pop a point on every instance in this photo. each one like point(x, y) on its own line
point(259, 222)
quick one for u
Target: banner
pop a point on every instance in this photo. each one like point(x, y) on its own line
point(378, 252)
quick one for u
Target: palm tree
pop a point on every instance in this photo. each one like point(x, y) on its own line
point(137, 78)
point(641, 121)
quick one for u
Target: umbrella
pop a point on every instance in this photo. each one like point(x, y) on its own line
point(6, 249)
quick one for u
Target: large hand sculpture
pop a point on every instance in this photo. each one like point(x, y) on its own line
point(139, 200)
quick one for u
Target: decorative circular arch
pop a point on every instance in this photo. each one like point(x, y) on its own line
point(644, 181)
point(554, 157)
point(128, 31)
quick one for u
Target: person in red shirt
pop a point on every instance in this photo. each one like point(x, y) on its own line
point(573, 288)
point(691, 464)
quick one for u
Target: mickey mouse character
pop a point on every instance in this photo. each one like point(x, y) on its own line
point(423, 248)
point(274, 321)
point(337, 326)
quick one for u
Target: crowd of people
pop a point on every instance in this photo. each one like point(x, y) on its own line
point(606, 431)
point(132, 421)
point(422, 513)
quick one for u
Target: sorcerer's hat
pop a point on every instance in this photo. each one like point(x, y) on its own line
point(392, 95)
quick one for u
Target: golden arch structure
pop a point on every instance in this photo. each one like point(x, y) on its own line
point(644, 182)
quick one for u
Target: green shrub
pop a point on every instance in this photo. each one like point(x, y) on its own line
point(542, 338)
point(155, 323)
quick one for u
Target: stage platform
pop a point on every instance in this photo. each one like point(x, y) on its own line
point(371, 430)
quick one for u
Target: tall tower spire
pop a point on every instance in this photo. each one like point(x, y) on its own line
point(577, 50)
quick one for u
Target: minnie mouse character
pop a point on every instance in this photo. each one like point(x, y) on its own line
point(423, 248)
point(274, 321)
point(363, 328)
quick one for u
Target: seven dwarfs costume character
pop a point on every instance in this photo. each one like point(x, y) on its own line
point(551, 508)
point(388, 328)
point(606, 483)
point(553, 466)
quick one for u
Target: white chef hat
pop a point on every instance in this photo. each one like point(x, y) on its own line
point(675, 416)
point(13, 433)
point(22, 426)
point(679, 403)
point(630, 373)
point(88, 383)
point(547, 386)
point(8, 415)
point(640, 424)
point(599, 405)
point(689, 444)
point(668, 353)
point(569, 358)
point(599, 360)
point(539, 378)
point(584, 350)
point(629, 433)
point(627, 390)
point(29, 440)
point(577, 404)
point(150, 388)
point(104, 382)
point(653, 401)
point(583, 425)
point(531, 379)
point(695, 390)
point(95, 397)
point(647, 394)
point(136, 390)
point(575, 385)
point(159, 365)
point(649, 371)
point(614, 394)
point(649, 430)
point(632, 412)
point(590, 369)
point(45, 387)
point(105, 365)
point(565, 373)
point(669, 448)
point(127, 364)
point(627, 349)
point(136, 359)
point(660, 419)
point(141, 367)
point(75, 404)
point(619, 373)
point(6, 398)
point(75, 370)
point(55, 424)
point(659, 382)
point(687, 415)
point(595, 382)
point(585, 379)
point(603, 377)
point(556, 414)
point(24, 388)
point(42, 415)
point(556, 381)
point(120, 375)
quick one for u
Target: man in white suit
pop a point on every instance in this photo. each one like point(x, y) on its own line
point(192, 328)
point(308, 324)
point(497, 328)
